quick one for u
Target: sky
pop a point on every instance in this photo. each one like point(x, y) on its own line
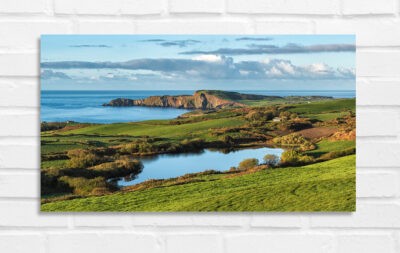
point(192, 62)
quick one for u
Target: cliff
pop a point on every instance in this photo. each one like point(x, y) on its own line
point(208, 99)
point(199, 100)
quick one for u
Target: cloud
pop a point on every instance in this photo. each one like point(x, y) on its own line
point(179, 43)
point(216, 67)
point(152, 40)
point(87, 45)
point(272, 49)
point(50, 74)
point(254, 39)
point(173, 43)
point(208, 57)
point(117, 77)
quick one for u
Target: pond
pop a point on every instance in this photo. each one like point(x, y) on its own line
point(166, 166)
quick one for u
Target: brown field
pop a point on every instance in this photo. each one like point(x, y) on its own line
point(317, 132)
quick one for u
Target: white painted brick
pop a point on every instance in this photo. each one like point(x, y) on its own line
point(378, 154)
point(378, 63)
point(378, 92)
point(19, 64)
point(26, 33)
point(220, 219)
point(115, 7)
point(19, 125)
point(278, 243)
point(318, 7)
point(101, 220)
point(369, 7)
point(275, 220)
point(102, 243)
point(377, 123)
point(367, 216)
point(20, 185)
point(182, 243)
point(170, 219)
point(11, 157)
point(27, 214)
point(87, 7)
point(142, 7)
point(105, 27)
point(283, 27)
point(369, 229)
point(22, 243)
point(200, 6)
point(23, 6)
point(369, 32)
point(192, 27)
point(365, 243)
point(181, 219)
point(19, 93)
point(377, 184)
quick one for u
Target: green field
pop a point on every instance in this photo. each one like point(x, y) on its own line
point(326, 186)
point(157, 129)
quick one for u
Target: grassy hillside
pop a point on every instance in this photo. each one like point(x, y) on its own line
point(156, 128)
point(326, 186)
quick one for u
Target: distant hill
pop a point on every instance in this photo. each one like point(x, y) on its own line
point(203, 99)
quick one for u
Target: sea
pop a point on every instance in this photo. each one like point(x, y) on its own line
point(86, 106)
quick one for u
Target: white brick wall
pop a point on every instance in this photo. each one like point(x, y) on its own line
point(375, 227)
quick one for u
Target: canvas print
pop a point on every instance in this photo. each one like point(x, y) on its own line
point(194, 123)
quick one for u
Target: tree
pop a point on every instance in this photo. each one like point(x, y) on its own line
point(271, 160)
point(248, 163)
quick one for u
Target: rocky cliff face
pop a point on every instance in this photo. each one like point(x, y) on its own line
point(199, 100)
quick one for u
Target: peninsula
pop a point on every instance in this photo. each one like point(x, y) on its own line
point(206, 100)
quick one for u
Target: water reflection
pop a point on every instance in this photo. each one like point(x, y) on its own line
point(174, 165)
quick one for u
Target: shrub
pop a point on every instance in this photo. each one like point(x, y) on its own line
point(122, 167)
point(84, 186)
point(271, 160)
point(294, 158)
point(295, 139)
point(232, 169)
point(248, 163)
point(81, 158)
point(227, 139)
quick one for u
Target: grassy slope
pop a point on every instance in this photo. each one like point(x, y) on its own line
point(325, 106)
point(326, 146)
point(156, 129)
point(327, 186)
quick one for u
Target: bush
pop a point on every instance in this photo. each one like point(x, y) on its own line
point(271, 160)
point(294, 158)
point(122, 167)
point(84, 186)
point(295, 139)
point(81, 158)
point(232, 169)
point(248, 163)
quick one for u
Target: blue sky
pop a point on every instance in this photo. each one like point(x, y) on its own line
point(190, 62)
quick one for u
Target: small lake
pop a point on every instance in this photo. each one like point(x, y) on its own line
point(174, 165)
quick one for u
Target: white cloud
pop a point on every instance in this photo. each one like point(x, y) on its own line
point(208, 58)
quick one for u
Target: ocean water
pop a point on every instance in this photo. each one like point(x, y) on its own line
point(86, 106)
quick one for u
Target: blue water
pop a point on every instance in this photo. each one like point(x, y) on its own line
point(86, 106)
point(174, 165)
